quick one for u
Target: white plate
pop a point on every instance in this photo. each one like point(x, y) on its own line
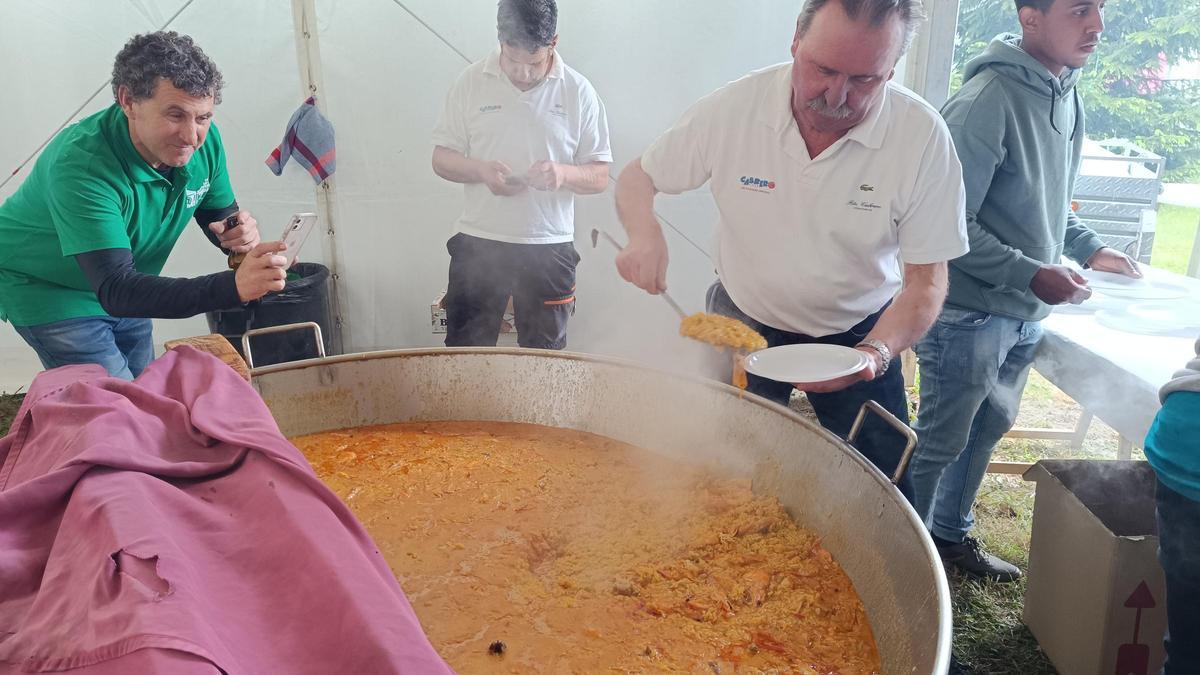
point(806, 363)
point(1154, 318)
point(1111, 281)
point(1093, 304)
point(1128, 288)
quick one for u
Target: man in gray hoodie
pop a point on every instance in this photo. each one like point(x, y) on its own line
point(1173, 449)
point(1018, 127)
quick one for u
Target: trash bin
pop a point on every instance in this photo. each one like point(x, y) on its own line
point(306, 298)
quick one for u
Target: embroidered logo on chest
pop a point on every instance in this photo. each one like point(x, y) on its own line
point(753, 184)
point(863, 199)
point(192, 197)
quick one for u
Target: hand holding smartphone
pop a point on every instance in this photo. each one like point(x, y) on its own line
point(294, 235)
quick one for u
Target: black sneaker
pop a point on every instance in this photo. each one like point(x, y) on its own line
point(970, 558)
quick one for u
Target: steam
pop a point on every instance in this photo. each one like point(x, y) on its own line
point(1119, 493)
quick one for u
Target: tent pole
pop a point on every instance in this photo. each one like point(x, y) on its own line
point(308, 56)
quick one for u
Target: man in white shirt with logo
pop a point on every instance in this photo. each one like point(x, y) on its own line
point(826, 176)
point(524, 133)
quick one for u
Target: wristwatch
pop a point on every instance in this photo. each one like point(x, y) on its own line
point(885, 354)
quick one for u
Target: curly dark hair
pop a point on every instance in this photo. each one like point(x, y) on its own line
point(171, 56)
point(528, 24)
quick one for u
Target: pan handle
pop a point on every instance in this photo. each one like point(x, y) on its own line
point(285, 328)
point(910, 436)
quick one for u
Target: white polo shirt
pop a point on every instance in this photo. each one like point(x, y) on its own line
point(487, 118)
point(807, 245)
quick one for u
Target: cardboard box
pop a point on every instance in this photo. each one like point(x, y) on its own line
point(508, 326)
point(437, 312)
point(1096, 599)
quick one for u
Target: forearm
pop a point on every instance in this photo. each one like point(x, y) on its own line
point(586, 179)
point(455, 167)
point(635, 202)
point(915, 308)
point(125, 292)
point(154, 297)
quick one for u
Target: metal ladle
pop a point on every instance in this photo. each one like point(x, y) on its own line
point(596, 233)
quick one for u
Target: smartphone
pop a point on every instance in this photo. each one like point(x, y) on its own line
point(297, 230)
point(516, 179)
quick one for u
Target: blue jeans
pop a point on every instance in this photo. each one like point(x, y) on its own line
point(1179, 552)
point(973, 370)
point(122, 346)
point(878, 442)
point(1173, 448)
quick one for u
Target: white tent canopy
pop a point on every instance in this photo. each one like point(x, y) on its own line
point(381, 69)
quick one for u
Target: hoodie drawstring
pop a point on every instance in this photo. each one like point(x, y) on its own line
point(1075, 126)
point(1054, 124)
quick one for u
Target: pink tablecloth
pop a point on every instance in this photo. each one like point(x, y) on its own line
point(165, 525)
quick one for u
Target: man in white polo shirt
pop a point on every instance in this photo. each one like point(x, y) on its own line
point(524, 133)
point(835, 189)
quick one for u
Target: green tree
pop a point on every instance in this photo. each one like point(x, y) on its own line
point(1121, 86)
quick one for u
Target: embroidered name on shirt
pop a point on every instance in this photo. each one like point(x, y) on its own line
point(559, 110)
point(863, 205)
point(192, 197)
point(490, 108)
point(757, 184)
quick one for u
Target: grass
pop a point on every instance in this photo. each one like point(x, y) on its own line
point(989, 636)
point(1174, 237)
point(8, 409)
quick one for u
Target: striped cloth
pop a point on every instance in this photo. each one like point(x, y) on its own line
point(309, 138)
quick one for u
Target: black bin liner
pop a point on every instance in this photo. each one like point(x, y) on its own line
point(303, 299)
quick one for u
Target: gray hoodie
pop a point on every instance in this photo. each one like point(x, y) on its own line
point(1187, 379)
point(1019, 134)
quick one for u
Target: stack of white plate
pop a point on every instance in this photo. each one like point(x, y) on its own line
point(1148, 306)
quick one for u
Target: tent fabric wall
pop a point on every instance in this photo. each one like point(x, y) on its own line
point(385, 75)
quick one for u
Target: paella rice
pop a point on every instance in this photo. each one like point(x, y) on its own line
point(722, 331)
point(526, 549)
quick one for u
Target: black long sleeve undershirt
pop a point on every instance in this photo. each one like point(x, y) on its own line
point(206, 216)
point(125, 292)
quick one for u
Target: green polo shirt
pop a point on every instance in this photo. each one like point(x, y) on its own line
point(91, 190)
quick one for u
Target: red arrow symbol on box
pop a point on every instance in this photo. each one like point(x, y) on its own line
point(1141, 599)
point(1134, 658)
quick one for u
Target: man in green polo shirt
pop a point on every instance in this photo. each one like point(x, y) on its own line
point(83, 240)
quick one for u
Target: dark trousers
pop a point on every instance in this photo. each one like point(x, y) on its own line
point(540, 278)
point(1179, 553)
point(836, 411)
